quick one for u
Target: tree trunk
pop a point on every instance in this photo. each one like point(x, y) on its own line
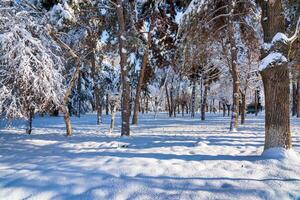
point(204, 102)
point(30, 119)
point(276, 80)
point(113, 116)
point(125, 130)
point(107, 105)
point(98, 106)
point(139, 87)
point(235, 76)
point(298, 98)
point(243, 108)
point(256, 102)
point(168, 101)
point(224, 109)
point(294, 97)
point(193, 99)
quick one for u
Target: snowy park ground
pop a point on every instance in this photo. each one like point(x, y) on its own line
point(178, 158)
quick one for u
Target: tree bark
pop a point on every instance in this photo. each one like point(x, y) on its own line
point(106, 105)
point(98, 106)
point(30, 119)
point(168, 101)
point(235, 76)
point(204, 102)
point(193, 99)
point(276, 80)
point(139, 87)
point(294, 97)
point(113, 117)
point(243, 108)
point(298, 98)
point(125, 113)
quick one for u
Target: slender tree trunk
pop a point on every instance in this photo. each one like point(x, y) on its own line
point(139, 87)
point(224, 109)
point(147, 104)
point(204, 102)
point(298, 98)
point(294, 97)
point(125, 113)
point(168, 101)
point(276, 80)
point(79, 94)
point(113, 117)
point(243, 108)
point(193, 99)
point(256, 102)
point(30, 119)
point(106, 105)
point(98, 106)
point(228, 109)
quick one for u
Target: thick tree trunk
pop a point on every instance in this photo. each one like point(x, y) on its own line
point(277, 125)
point(235, 79)
point(276, 80)
point(125, 113)
point(204, 102)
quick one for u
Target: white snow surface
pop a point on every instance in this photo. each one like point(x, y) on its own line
point(272, 59)
point(177, 158)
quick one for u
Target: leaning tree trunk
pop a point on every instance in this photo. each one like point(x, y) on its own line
point(168, 101)
point(125, 130)
point(275, 76)
point(139, 88)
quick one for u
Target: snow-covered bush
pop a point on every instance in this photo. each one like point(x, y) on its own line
point(30, 68)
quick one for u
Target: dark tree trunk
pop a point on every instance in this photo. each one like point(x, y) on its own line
point(294, 97)
point(224, 109)
point(30, 119)
point(243, 108)
point(298, 97)
point(193, 99)
point(168, 101)
point(139, 88)
point(106, 105)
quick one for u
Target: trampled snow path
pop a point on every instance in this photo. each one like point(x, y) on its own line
point(179, 158)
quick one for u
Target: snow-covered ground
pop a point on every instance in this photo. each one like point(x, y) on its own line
point(178, 158)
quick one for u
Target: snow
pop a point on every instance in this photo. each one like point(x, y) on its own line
point(272, 59)
point(280, 37)
point(281, 154)
point(178, 158)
